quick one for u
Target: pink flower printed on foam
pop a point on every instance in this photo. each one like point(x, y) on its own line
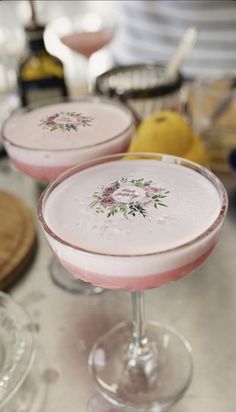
point(109, 190)
point(151, 190)
point(107, 201)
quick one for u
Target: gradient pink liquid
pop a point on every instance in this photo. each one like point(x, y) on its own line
point(45, 142)
point(128, 249)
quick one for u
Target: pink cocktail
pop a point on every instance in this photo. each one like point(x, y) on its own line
point(136, 222)
point(48, 140)
point(87, 43)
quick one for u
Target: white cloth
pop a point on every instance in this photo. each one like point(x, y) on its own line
point(149, 31)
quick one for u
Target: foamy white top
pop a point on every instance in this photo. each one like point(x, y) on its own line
point(68, 125)
point(132, 207)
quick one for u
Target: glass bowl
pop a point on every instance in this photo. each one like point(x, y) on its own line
point(17, 346)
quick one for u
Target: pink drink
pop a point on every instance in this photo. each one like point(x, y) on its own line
point(133, 224)
point(46, 141)
point(87, 43)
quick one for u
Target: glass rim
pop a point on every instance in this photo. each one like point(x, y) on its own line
point(159, 157)
point(105, 100)
point(158, 91)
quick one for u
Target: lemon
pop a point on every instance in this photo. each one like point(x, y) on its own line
point(197, 152)
point(163, 132)
point(167, 132)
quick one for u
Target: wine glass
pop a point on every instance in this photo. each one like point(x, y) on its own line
point(136, 230)
point(77, 40)
point(45, 141)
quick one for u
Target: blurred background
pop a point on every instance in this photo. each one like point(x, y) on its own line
point(61, 18)
point(91, 37)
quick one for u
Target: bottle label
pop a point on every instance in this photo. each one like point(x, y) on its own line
point(37, 95)
point(33, 91)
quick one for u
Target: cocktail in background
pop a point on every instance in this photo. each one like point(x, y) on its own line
point(78, 40)
point(43, 142)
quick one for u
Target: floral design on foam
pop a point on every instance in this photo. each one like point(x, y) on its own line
point(130, 197)
point(65, 121)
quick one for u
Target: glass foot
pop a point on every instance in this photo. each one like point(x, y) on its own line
point(65, 280)
point(152, 382)
point(98, 404)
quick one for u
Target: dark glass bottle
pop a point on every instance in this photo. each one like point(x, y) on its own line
point(41, 75)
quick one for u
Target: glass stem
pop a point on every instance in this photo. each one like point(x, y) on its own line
point(140, 345)
point(138, 315)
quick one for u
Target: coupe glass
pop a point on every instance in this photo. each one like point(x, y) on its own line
point(77, 41)
point(46, 163)
point(140, 365)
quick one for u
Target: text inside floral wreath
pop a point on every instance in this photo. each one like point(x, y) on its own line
point(129, 197)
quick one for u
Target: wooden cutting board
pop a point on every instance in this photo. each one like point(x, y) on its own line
point(17, 238)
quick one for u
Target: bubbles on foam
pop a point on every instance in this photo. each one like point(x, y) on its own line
point(110, 230)
point(161, 220)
